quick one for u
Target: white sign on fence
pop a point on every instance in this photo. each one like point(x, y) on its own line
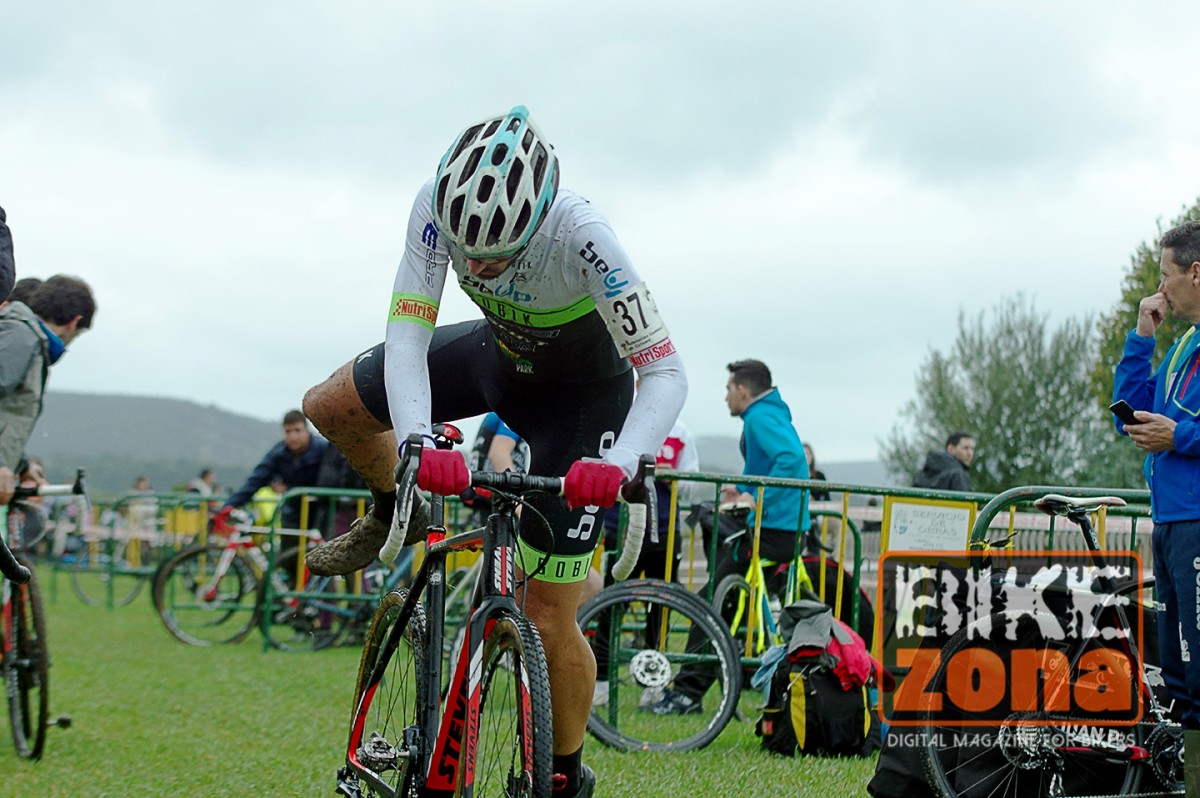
point(926, 524)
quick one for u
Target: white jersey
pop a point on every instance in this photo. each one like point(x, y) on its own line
point(569, 309)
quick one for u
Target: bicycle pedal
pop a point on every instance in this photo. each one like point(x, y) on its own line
point(347, 783)
point(62, 722)
point(378, 754)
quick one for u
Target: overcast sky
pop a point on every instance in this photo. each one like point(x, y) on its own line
point(823, 186)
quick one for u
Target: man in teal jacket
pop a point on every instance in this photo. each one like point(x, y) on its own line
point(771, 448)
point(1167, 406)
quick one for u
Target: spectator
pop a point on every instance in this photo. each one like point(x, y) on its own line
point(33, 336)
point(205, 484)
point(142, 510)
point(496, 448)
point(771, 448)
point(296, 460)
point(815, 473)
point(22, 291)
point(947, 470)
point(8, 268)
point(1165, 403)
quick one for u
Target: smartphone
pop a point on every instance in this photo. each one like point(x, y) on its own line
point(1123, 411)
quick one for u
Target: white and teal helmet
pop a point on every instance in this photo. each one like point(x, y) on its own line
point(495, 185)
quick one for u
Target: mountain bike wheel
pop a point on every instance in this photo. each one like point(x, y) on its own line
point(26, 668)
point(643, 632)
point(386, 750)
point(202, 606)
point(315, 621)
point(512, 752)
point(113, 571)
point(731, 600)
point(1035, 752)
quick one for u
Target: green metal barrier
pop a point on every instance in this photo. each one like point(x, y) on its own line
point(115, 554)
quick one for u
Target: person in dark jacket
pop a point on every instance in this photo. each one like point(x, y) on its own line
point(8, 267)
point(947, 470)
point(297, 459)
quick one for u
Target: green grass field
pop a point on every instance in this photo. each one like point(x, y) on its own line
point(153, 717)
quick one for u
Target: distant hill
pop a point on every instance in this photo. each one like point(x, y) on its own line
point(118, 437)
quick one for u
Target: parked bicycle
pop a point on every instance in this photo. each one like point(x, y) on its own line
point(24, 657)
point(1049, 751)
point(487, 732)
point(213, 592)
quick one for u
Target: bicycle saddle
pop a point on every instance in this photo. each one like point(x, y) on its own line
point(1057, 504)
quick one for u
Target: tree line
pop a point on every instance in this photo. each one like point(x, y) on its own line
point(1035, 398)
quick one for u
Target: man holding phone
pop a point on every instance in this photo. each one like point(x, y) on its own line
point(1166, 425)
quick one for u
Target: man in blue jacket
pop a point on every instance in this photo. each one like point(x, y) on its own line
point(1167, 405)
point(771, 448)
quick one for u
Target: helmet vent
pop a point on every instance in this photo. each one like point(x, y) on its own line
point(539, 165)
point(473, 225)
point(467, 139)
point(468, 170)
point(522, 222)
point(499, 154)
point(497, 228)
point(526, 140)
point(492, 127)
point(486, 184)
point(513, 181)
point(443, 187)
point(514, 125)
point(456, 213)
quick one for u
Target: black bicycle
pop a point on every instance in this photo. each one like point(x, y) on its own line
point(487, 730)
point(1061, 742)
point(24, 658)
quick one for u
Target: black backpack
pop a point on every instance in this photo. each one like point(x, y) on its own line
point(808, 711)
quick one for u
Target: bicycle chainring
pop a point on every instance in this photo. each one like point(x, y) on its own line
point(1165, 744)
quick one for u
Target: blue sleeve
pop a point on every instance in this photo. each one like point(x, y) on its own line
point(782, 451)
point(505, 430)
point(1132, 380)
point(260, 476)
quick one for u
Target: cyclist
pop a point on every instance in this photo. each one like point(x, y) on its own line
point(565, 317)
point(496, 448)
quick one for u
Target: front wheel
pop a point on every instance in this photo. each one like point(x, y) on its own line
point(206, 596)
point(109, 572)
point(514, 748)
point(649, 637)
point(387, 748)
point(26, 667)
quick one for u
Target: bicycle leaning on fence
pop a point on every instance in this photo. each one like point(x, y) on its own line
point(487, 732)
point(24, 656)
point(1047, 750)
point(214, 592)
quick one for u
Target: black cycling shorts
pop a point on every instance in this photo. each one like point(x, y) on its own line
point(562, 422)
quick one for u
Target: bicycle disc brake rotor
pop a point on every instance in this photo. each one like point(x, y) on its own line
point(650, 668)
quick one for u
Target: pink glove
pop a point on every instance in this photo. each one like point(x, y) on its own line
point(443, 471)
point(591, 483)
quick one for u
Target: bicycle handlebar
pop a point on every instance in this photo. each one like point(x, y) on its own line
point(9, 567)
point(639, 494)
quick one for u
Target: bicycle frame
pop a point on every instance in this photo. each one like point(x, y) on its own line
point(442, 719)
